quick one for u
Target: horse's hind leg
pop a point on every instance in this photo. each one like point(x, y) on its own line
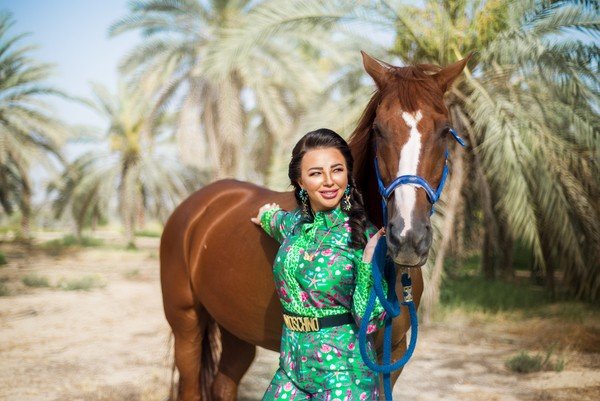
point(188, 327)
point(236, 357)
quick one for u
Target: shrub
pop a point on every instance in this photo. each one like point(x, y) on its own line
point(33, 280)
point(4, 290)
point(148, 233)
point(525, 363)
point(131, 274)
point(70, 241)
point(85, 283)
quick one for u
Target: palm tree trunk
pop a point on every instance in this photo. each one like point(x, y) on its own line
point(26, 213)
point(278, 161)
point(210, 129)
point(507, 270)
point(432, 291)
point(140, 213)
point(490, 243)
point(25, 203)
point(549, 265)
point(127, 203)
point(281, 125)
point(459, 236)
point(231, 128)
point(488, 255)
point(94, 222)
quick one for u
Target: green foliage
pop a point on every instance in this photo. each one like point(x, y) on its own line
point(148, 233)
point(3, 260)
point(523, 256)
point(276, 52)
point(69, 241)
point(528, 103)
point(526, 363)
point(475, 293)
point(34, 280)
point(4, 291)
point(149, 178)
point(465, 289)
point(30, 133)
point(85, 283)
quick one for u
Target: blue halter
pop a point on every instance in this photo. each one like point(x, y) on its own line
point(383, 268)
point(432, 195)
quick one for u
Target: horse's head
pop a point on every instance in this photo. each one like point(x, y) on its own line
point(407, 126)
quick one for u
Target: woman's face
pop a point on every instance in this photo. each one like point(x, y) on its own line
point(324, 175)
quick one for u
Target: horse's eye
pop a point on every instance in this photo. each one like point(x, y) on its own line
point(376, 129)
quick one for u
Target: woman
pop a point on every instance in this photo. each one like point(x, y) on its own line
point(323, 276)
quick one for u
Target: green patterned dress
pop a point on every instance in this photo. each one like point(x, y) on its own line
point(326, 364)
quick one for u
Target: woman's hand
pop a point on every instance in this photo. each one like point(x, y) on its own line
point(370, 247)
point(263, 208)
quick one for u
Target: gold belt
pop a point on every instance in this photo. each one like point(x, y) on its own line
point(301, 323)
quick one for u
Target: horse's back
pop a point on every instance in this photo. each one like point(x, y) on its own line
point(210, 246)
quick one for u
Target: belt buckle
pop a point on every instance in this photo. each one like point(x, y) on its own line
point(301, 323)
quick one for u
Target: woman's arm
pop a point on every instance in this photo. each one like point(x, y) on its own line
point(276, 222)
point(364, 284)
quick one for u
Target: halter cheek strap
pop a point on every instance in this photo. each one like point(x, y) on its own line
point(432, 195)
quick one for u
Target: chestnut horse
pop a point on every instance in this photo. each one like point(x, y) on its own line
point(215, 264)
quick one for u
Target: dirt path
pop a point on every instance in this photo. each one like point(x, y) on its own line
point(111, 343)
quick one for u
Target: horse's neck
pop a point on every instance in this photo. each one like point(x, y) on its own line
point(367, 181)
point(371, 195)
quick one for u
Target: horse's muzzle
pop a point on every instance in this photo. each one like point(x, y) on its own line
point(409, 249)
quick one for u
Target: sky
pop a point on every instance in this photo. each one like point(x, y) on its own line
point(73, 35)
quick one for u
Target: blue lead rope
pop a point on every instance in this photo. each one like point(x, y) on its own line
point(382, 266)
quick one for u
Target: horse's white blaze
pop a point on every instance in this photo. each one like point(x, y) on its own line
point(406, 195)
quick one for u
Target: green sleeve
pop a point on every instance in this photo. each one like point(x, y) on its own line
point(363, 286)
point(278, 223)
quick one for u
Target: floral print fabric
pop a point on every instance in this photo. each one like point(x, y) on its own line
point(325, 364)
point(336, 281)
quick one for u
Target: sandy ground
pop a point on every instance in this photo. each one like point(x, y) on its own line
point(112, 342)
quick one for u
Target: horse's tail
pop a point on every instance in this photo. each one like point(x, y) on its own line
point(209, 364)
point(172, 389)
point(209, 361)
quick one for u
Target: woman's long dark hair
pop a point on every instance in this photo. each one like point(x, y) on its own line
point(326, 138)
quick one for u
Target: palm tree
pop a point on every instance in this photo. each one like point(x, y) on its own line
point(132, 161)
point(29, 134)
point(247, 71)
point(530, 111)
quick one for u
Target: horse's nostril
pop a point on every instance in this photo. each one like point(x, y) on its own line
point(393, 240)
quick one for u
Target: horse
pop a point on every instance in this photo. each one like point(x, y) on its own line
point(215, 264)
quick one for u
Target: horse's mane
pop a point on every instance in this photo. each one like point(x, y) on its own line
point(413, 85)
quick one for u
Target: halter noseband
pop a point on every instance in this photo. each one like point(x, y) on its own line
point(432, 195)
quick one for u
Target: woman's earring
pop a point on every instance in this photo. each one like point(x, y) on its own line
point(304, 198)
point(346, 204)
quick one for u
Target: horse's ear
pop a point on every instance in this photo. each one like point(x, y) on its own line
point(377, 69)
point(449, 73)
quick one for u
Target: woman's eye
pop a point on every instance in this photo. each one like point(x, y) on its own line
point(314, 174)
